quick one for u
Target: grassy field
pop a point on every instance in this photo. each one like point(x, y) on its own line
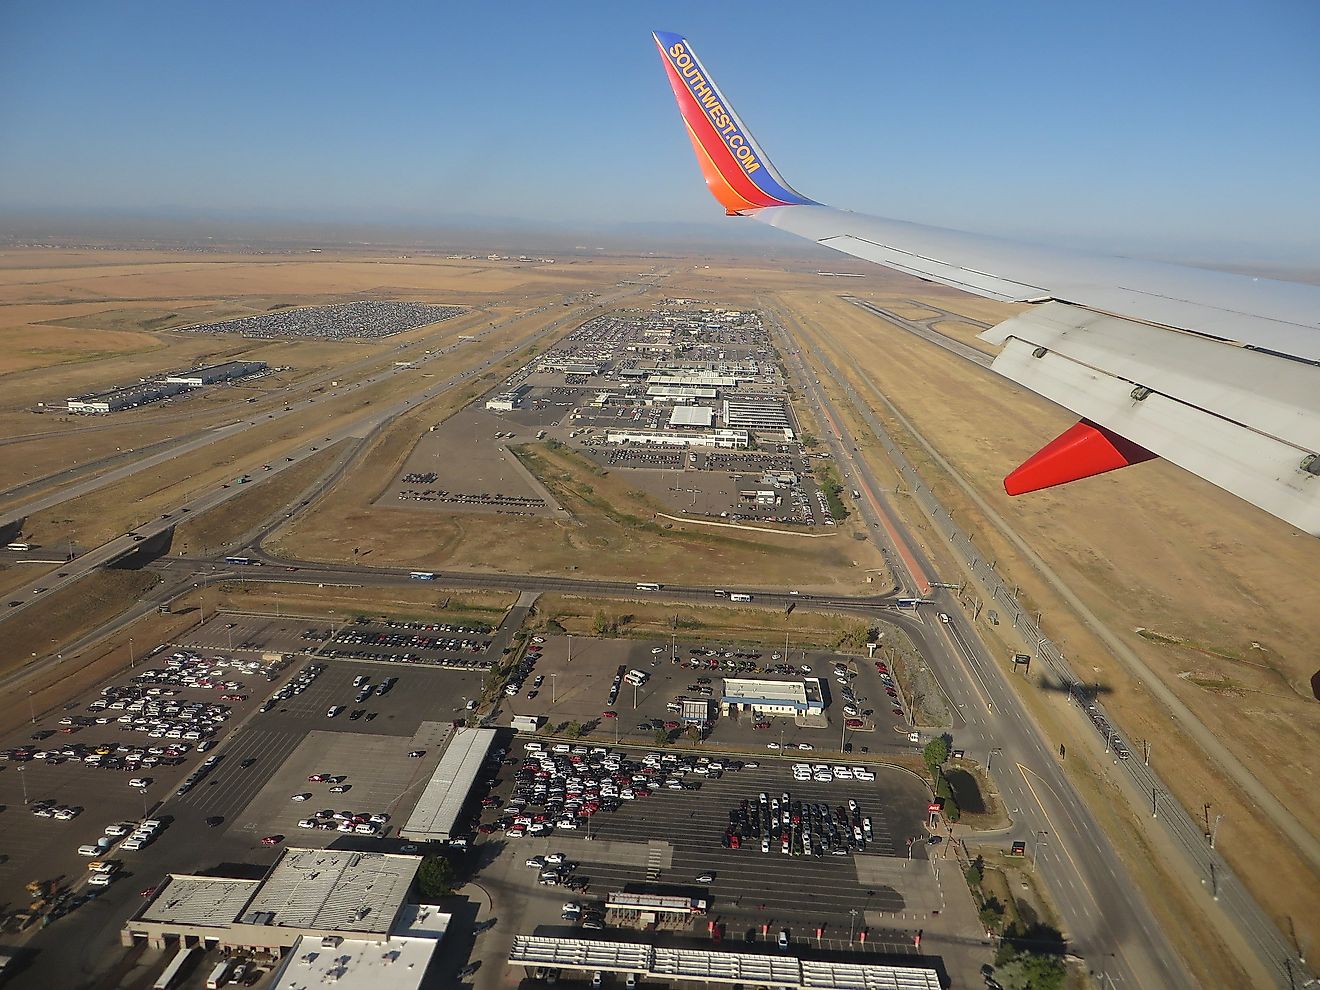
point(65, 615)
point(642, 619)
point(216, 530)
point(425, 602)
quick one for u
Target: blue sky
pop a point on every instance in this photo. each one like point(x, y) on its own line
point(1183, 128)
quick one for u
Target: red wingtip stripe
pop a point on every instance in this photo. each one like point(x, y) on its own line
point(1082, 451)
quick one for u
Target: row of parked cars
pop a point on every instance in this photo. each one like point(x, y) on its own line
point(823, 773)
point(297, 685)
point(798, 828)
point(563, 786)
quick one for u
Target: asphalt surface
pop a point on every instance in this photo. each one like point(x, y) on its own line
point(1107, 921)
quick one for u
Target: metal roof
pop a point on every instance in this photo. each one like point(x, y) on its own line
point(714, 966)
point(202, 902)
point(333, 890)
point(442, 801)
point(691, 416)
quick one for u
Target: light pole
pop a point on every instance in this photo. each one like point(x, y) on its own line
point(990, 759)
point(1214, 831)
point(852, 923)
point(23, 777)
point(143, 792)
point(552, 689)
point(570, 648)
point(32, 708)
point(1035, 844)
point(132, 662)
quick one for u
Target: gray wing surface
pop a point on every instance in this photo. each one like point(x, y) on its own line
point(1218, 373)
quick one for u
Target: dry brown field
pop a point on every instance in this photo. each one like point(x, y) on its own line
point(1150, 548)
point(333, 602)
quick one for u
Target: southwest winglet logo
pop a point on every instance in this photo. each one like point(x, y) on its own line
point(685, 63)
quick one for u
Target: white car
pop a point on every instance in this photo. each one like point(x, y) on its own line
point(301, 797)
point(118, 830)
point(772, 745)
point(335, 710)
point(100, 879)
point(805, 746)
point(307, 823)
point(658, 649)
point(140, 782)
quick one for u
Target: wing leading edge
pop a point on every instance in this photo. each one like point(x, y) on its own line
point(1218, 373)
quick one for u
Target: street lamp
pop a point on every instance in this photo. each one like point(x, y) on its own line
point(852, 923)
point(552, 689)
point(990, 759)
point(23, 777)
point(1035, 843)
point(32, 710)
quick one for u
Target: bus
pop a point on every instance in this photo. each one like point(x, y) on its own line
point(245, 561)
point(220, 975)
point(739, 596)
point(19, 546)
point(648, 586)
point(170, 977)
point(422, 576)
point(909, 603)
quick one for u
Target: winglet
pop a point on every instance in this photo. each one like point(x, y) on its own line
point(1082, 451)
point(737, 171)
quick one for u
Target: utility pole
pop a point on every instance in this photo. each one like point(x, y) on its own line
point(1214, 832)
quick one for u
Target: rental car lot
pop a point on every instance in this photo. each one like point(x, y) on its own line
point(749, 888)
point(579, 689)
point(250, 745)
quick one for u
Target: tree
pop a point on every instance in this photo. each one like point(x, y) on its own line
point(661, 737)
point(936, 754)
point(600, 624)
point(945, 791)
point(435, 878)
point(573, 730)
point(1032, 971)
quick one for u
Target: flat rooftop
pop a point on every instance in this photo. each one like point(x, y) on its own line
point(442, 801)
point(397, 963)
point(333, 890)
point(204, 902)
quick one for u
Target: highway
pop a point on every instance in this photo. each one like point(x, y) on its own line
point(1108, 922)
point(70, 572)
point(1238, 910)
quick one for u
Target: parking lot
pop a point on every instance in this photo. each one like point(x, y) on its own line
point(250, 750)
point(579, 690)
point(379, 778)
point(665, 841)
point(452, 644)
point(467, 456)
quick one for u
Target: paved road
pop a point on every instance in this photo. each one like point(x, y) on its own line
point(1106, 918)
point(355, 429)
point(1238, 907)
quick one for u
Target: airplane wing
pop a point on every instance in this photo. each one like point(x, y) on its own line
point(1218, 373)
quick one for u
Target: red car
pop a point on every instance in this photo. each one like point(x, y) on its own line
point(272, 840)
point(671, 725)
point(317, 778)
point(881, 668)
point(610, 714)
point(485, 828)
point(854, 723)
